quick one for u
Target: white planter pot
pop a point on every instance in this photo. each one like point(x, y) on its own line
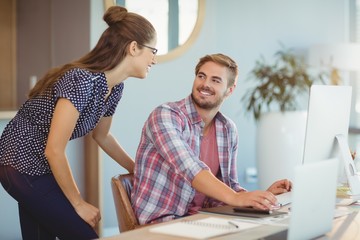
point(280, 144)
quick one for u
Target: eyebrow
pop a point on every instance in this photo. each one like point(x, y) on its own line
point(213, 77)
point(217, 78)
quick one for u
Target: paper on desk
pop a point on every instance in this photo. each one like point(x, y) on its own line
point(203, 228)
point(280, 220)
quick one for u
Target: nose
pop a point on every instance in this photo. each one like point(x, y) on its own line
point(207, 82)
point(154, 61)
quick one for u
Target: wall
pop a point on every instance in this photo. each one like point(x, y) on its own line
point(9, 222)
point(244, 30)
point(8, 55)
point(52, 33)
point(48, 35)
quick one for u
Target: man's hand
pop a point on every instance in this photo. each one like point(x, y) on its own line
point(280, 186)
point(263, 200)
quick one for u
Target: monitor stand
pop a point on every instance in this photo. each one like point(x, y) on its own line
point(351, 173)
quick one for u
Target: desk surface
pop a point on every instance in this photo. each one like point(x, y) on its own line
point(345, 227)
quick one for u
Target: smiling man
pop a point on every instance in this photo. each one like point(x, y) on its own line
point(187, 154)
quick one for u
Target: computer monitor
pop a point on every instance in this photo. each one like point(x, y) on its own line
point(328, 115)
point(327, 130)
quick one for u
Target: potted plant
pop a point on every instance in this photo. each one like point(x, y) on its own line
point(279, 85)
point(274, 102)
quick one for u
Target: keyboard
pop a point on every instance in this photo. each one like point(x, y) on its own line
point(284, 198)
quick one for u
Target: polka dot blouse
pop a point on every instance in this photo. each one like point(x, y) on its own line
point(23, 140)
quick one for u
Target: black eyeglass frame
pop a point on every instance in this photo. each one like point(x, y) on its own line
point(154, 50)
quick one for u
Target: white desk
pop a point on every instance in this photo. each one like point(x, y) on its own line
point(346, 227)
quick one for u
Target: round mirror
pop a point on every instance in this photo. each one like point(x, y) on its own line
point(177, 22)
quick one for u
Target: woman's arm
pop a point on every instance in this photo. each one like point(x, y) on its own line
point(108, 143)
point(62, 125)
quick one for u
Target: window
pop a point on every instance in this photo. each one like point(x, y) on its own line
point(354, 77)
point(174, 20)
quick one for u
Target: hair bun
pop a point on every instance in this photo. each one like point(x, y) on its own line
point(114, 14)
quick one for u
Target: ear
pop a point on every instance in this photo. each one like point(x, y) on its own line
point(231, 90)
point(132, 48)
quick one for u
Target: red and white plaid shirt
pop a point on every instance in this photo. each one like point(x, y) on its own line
point(167, 160)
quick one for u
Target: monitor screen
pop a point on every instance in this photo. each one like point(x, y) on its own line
point(328, 116)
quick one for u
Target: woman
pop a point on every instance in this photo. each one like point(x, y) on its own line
point(67, 103)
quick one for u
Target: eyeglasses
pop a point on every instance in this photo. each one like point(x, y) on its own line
point(153, 50)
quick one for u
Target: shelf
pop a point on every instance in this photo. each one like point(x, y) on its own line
point(7, 115)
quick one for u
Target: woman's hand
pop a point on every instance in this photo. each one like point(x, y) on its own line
point(88, 213)
point(280, 186)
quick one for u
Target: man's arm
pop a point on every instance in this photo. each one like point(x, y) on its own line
point(208, 184)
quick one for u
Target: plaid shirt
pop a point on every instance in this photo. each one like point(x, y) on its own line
point(167, 160)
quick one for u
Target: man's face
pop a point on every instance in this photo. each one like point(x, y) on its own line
point(210, 86)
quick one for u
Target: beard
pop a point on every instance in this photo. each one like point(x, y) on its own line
point(206, 104)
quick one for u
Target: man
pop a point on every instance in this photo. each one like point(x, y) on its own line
point(186, 158)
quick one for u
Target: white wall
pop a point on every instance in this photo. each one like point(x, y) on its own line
point(243, 29)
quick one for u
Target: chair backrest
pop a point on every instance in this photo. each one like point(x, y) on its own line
point(121, 187)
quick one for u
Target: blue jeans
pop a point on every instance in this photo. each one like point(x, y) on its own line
point(45, 212)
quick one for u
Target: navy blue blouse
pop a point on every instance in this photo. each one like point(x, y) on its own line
point(23, 140)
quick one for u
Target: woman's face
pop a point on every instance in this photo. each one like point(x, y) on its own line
point(145, 59)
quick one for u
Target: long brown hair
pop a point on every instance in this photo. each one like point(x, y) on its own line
point(111, 49)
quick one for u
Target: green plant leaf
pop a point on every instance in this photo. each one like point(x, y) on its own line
point(278, 84)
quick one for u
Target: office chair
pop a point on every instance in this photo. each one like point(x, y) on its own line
point(121, 186)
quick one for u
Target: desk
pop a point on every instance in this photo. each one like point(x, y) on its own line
point(345, 227)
